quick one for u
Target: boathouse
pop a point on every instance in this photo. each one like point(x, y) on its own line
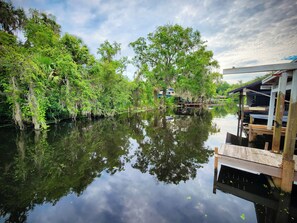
point(280, 164)
point(257, 99)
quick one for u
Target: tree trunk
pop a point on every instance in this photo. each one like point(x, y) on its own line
point(156, 92)
point(164, 98)
point(34, 108)
point(17, 113)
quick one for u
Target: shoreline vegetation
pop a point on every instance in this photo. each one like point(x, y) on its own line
point(46, 76)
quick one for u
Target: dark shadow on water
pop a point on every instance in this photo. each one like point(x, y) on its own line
point(270, 205)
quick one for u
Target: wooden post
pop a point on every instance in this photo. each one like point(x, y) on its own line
point(266, 145)
point(271, 110)
point(251, 120)
point(291, 129)
point(216, 161)
point(252, 135)
point(242, 115)
point(279, 112)
point(216, 164)
point(290, 139)
point(239, 114)
point(287, 175)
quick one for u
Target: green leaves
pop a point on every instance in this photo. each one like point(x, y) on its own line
point(50, 77)
point(242, 216)
point(176, 57)
point(54, 77)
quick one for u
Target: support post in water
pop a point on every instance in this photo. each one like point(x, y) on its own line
point(279, 112)
point(216, 164)
point(242, 114)
point(239, 114)
point(290, 139)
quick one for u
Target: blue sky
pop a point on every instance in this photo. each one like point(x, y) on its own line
point(240, 33)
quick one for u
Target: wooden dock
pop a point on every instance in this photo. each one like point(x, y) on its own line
point(255, 130)
point(251, 159)
point(253, 117)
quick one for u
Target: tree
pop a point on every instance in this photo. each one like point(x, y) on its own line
point(114, 88)
point(78, 50)
point(11, 19)
point(222, 88)
point(175, 56)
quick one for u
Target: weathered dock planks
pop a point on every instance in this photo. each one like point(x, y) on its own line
point(255, 160)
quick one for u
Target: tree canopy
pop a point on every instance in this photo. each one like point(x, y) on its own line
point(52, 77)
point(49, 77)
point(176, 56)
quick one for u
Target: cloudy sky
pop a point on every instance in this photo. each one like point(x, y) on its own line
point(240, 33)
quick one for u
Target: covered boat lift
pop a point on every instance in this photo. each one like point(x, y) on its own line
point(284, 78)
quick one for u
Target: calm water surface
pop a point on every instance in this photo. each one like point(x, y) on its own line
point(149, 167)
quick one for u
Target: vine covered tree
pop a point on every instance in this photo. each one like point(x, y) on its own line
point(176, 56)
point(53, 77)
point(49, 76)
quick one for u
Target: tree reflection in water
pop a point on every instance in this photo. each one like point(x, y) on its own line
point(43, 167)
point(47, 166)
point(173, 148)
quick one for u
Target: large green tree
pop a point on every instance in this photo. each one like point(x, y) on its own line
point(175, 56)
point(114, 86)
point(52, 77)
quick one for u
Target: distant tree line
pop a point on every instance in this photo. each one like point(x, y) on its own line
point(49, 76)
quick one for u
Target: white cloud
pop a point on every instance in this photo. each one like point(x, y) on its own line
point(237, 31)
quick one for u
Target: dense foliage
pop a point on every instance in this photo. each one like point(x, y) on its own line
point(48, 76)
point(177, 57)
point(51, 77)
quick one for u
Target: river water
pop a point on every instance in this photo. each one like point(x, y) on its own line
point(147, 167)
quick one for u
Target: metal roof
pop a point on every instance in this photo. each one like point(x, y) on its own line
point(252, 85)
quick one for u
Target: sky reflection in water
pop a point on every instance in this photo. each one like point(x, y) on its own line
point(149, 168)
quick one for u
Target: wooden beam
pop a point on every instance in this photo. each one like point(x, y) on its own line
point(291, 130)
point(279, 112)
point(257, 92)
point(271, 110)
point(265, 87)
point(262, 68)
point(255, 130)
point(274, 90)
point(250, 166)
point(288, 87)
point(290, 140)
